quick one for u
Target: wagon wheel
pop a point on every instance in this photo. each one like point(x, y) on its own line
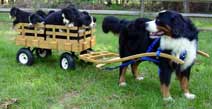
point(25, 56)
point(67, 61)
point(43, 53)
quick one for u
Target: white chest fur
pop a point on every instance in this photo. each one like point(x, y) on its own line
point(177, 46)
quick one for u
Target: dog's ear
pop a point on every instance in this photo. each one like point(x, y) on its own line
point(139, 23)
point(85, 12)
point(183, 27)
point(94, 19)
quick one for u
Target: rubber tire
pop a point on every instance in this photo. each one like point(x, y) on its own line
point(39, 50)
point(26, 52)
point(69, 61)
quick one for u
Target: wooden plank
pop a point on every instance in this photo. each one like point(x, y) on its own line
point(61, 34)
point(60, 27)
point(30, 31)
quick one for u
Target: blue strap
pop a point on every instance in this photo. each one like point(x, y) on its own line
point(142, 58)
point(158, 52)
point(153, 44)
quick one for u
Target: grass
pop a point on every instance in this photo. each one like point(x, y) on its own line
point(44, 85)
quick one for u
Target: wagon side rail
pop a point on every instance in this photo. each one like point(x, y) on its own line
point(56, 37)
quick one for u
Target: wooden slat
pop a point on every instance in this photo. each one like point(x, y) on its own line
point(30, 31)
point(60, 27)
point(61, 33)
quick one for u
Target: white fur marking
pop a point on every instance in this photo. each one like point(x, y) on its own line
point(122, 84)
point(189, 96)
point(178, 46)
point(168, 98)
point(71, 24)
point(140, 78)
point(151, 26)
point(63, 15)
point(30, 24)
point(92, 24)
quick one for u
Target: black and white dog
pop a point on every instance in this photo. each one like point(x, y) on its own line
point(179, 37)
point(86, 20)
point(65, 16)
point(133, 39)
point(24, 17)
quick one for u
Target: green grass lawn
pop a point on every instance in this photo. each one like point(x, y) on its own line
point(44, 85)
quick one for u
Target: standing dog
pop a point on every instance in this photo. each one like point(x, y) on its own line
point(133, 39)
point(179, 37)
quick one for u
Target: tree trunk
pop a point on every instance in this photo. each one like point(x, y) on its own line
point(117, 2)
point(186, 6)
point(142, 8)
point(2, 2)
point(109, 2)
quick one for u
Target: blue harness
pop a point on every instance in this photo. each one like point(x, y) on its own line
point(140, 59)
point(182, 57)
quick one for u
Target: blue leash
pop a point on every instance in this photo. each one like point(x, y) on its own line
point(142, 58)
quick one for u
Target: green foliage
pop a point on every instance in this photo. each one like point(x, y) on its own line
point(44, 85)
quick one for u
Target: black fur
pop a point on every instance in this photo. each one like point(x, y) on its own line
point(85, 19)
point(24, 17)
point(41, 13)
point(181, 27)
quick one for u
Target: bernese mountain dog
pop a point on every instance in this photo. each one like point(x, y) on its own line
point(133, 39)
point(21, 16)
point(86, 20)
point(178, 37)
point(65, 16)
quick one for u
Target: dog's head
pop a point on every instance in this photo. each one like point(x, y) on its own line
point(14, 11)
point(41, 13)
point(138, 25)
point(51, 11)
point(172, 24)
point(87, 20)
point(35, 18)
point(70, 15)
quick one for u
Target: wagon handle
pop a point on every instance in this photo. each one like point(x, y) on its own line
point(203, 53)
point(150, 54)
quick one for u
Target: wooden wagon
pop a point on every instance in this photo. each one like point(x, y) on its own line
point(44, 38)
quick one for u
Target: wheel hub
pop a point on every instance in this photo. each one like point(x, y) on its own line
point(23, 58)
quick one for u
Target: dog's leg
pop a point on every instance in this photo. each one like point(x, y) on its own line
point(165, 78)
point(122, 71)
point(134, 69)
point(165, 92)
point(184, 81)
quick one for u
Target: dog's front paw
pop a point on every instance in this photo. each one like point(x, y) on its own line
point(139, 78)
point(122, 84)
point(168, 99)
point(189, 96)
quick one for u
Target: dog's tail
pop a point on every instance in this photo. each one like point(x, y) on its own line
point(113, 24)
